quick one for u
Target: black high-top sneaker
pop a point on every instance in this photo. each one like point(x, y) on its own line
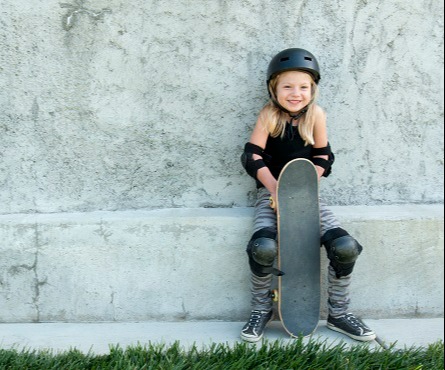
point(351, 326)
point(253, 330)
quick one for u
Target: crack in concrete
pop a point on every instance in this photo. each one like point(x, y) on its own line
point(32, 268)
point(102, 231)
point(78, 8)
point(37, 282)
point(113, 307)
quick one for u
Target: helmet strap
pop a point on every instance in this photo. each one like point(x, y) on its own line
point(293, 118)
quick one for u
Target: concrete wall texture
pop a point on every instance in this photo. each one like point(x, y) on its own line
point(118, 106)
point(148, 104)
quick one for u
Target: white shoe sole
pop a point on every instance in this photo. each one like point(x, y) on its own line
point(251, 339)
point(365, 338)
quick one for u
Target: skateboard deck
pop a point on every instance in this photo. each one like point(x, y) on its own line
point(298, 248)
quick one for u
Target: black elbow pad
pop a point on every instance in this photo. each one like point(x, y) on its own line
point(326, 164)
point(251, 165)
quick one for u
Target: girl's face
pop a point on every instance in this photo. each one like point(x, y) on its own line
point(294, 90)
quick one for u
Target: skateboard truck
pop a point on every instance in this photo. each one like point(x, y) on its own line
point(272, 203)
point(274, 295)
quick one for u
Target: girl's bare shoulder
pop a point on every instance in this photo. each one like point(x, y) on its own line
point(319, 112)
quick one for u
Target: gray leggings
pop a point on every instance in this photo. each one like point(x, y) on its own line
point(338, 288)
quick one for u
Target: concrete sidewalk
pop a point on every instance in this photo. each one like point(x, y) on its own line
point(98, 337)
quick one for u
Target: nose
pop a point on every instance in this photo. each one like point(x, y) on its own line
point(295, 91)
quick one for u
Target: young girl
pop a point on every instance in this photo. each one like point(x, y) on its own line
point(293, 126)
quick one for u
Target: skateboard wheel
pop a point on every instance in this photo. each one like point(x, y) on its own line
point(274, 295)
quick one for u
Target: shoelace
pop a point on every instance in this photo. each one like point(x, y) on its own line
point(353, 320)
point(255, 318)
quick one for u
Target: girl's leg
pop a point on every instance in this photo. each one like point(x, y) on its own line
point(338, 288)
point(264, 232)
point(339, 280)
point(338, 293)
point(264, 218)
point(328, 221)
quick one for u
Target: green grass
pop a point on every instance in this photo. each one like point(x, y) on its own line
point(297, 355)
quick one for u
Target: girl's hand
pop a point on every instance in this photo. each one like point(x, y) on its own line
point(320, 172)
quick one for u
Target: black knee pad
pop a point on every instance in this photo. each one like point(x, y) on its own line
point(262, 251)
point(343, 251)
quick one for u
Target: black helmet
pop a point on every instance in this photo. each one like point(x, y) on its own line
point(291, 60)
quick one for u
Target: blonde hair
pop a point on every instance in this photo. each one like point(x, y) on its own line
point(274, 119)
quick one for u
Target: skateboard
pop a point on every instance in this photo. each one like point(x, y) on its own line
point(298, 219)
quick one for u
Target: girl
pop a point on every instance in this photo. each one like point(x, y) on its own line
point(293, 126)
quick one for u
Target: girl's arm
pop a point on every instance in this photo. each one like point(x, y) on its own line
point(320, 137)
point(259, 137)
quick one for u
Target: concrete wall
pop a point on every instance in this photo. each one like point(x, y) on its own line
point(148, 104)
point(190, 264)
point(118, 107)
